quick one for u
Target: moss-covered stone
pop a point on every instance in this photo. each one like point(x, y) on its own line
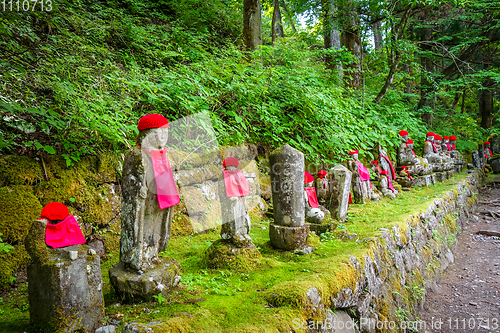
point(19, 170)
point(19, 208)
point(10, 262)
point(223, 254)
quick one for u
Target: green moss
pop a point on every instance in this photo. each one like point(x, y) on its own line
point(450, 222)
point(19, 208)
point(19, 170)
point(11, 262)
point(222, 254)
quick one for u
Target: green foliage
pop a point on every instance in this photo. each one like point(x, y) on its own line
point(160, 298)
point(5, 247)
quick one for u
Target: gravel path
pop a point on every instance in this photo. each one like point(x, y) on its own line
point(467, 299)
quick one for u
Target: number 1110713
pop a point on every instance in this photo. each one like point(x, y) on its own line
point(26, 5)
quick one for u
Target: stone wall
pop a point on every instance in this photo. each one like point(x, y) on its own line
point(390, 282)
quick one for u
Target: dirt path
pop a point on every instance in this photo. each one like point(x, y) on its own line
point(467, 299)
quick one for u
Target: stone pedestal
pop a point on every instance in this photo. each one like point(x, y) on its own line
point(231, 254)
point(288, 238)
point(288, 231)
point(132, 286)
point(339, 184)
point(64, 285)
point(425, 180)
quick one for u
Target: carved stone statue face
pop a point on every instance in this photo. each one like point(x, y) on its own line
point(410, 145)
point(231, 167)
point(430, 138)
point(437, 141)
point(155, 138)
point(404, 138)
point(308, 184)
point(355, 157)
point(453, 142)
point(446, 141)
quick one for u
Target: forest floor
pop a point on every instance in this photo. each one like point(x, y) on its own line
point(467, 298)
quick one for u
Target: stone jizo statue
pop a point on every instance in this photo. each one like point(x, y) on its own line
point(321, 186)
point(487, 150)
point(385, 163)
point(232, 192)
point(385, 185)
point(313, 210)
point(149, 194)
point(431, 152)
point(446, 144)
point(361, 185)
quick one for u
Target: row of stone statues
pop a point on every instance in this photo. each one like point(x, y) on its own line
point(149, 194)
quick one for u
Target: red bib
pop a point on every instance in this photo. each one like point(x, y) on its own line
point(65, 233)
point(235, 183)
point(166, 189)
point(393, 172)
point(311, 197)
point(433, 146)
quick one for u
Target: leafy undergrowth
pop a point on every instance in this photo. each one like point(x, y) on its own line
point(246, 300)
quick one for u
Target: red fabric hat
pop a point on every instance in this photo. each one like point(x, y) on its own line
point(322, 173)
point(486, 143)
point(437, 137)
point(230, 161)
point(308, 178)
point(410, 141)
point(403, 132)
point(446, 137)
point(430, 134)
point(353, 151)
point(453, 138)
point(384, 172)
point(153, 120)
point(54, 211)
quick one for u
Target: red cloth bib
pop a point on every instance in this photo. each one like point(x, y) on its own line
point(448, 145)
point(489, 150)
point(453, 146)
point(364, 174)
point(65, 233)
point(311, 197)
point(390, 184)
point(235, 183)
point(393, 172)
point(414, 153)
point(166, 189)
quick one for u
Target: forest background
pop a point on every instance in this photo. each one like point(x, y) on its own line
point(330, 75)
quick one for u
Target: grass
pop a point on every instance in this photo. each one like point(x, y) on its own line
point(271, 295)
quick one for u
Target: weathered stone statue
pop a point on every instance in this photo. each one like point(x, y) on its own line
point(236, 245)
point(431, 152)
point(339, 188)
point(361, 185)
point(456, 155)
point(315, 213)
point(149, 194)
point(445, 146)
point(385, 185)
point(64, 275)
point(321, 186)
point(289, 230)
point(487, 151)
point(407, 157)
point(385, 163)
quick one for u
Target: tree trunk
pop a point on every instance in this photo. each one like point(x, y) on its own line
point(377, 36)
point(331, 35)
point(389, 79)
point(289, 16)
point(277, 24)
point(425, 83)
point(486, 104)
point(352, 41)
point(252, 24)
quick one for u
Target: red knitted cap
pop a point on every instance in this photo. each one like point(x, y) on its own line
point(437, 137)
point(54, 211)
point(308, 178)
point(153, 120)
point(384, 172)
point(430, 134)
point(453, 138)
point(410, 141)
point(486, 143)
point(446, 137)
point(322, 173)
point(230, 161)
point(353, 151)
point(403, 132)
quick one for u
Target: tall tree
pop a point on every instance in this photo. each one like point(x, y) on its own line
point(277, 24)
point(351, 39)
point(427, 67)
point(331, 33)
point(377, 35)
point(486, 102)
point(252, 24)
